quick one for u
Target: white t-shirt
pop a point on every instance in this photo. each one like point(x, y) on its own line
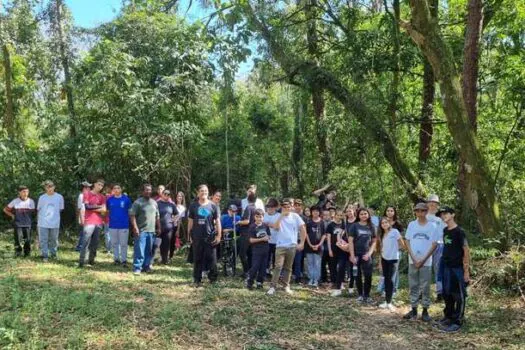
point(420, 238)
point(49, 208)
point(258, 204)
point(272, 219)
point(80, 201)
point(440, 225)
point(390, 245)
point(288, 233)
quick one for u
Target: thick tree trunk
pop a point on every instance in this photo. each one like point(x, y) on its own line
point(297, 150)
point(425, 32)
point(353, 104)
point(9, 117)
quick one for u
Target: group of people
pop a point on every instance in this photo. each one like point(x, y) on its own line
point(273, 240)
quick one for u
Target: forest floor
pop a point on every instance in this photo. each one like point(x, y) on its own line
point(56, 305)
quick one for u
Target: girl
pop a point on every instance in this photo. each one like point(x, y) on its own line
point(168, 218)
point(389, 243)
point(361, 245)
point(350, 219)
point(391, 213)
point(337, 242)
point(180, 203)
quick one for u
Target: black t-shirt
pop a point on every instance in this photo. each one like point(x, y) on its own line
point(248, 214)
point(315, 231)
point(335, 229)
point(167, 210)
point(454, 240)
point(363, 236)
point(203, 217)
point(259, 232)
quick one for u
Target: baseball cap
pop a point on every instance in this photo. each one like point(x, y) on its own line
point(445, 210)
point(421, 206)
point(86, 184)
point(48, 183)
point(232, 207)
point(433, 198)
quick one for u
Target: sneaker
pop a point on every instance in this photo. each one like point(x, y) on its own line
point(391, 307)
point(383, 305)
point(287, 290)
point(204, 274)
point(315, 285)
point(452, 328)
point(425, 317)
point(259, 285)
point(360, 299)
point(368, 300)
point(351, 291)
point(411, 315)
point(271, 291)
point(336, 293)
point(136, 272)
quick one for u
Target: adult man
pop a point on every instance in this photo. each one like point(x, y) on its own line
point(258, 203)
point(145, 222)
point(118, 207)
point(433, 207)
point(204, 226)
point(421, 243)
point(93, 222)
point(289, 226)
point(80, 211)
point(21, 211)
point(49, 206)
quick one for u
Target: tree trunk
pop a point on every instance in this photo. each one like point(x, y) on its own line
point(297, 150)
point(64, 58)
point(9, 117)
point(353, 103)
point(424, 31)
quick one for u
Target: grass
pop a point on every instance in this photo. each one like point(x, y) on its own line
point(58, 306)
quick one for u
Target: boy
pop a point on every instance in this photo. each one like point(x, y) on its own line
point(421, 243)
point(21, 211)
point(49, 207)
point(315, 237)
point(259, 237)
point(271, 217)
point(454, 271)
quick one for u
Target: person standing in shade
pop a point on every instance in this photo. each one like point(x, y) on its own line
point(421, 243)
point(270, 218)
point(258, 202)
point(454, 271)
point(325, 260)
point(168, 216)
point(298, 263)
point(145, 222)
point(204, 226)
point(338, 258)
point(180, 203)
point(93, 222)
point(21, 210)
point(49, 207)
point(118, 207)
point(243, 246)
point(350, 219)
point(259, 237)
point(289, 226)
point(80, 211)
point(315, 237)
point(433, 207)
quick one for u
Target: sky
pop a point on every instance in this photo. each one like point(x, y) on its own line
point(91, 13)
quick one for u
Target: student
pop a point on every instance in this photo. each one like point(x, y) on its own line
point(180, 203)
point(454, 271)
point(350, 219)
point(93, 222)
point(433, 207)
point(229, 221)
point(421, 243)
point(108, 192)
point(391, 214)
point(243, 245)
point(361, 246)
point(298, 263)
point(80, 211)
point(204, 226)
point(145, 222)
point(168, 216)
point(49, 207)
point(289, 226)
point(118, 207)
point(21, 210)
point(315, 237)
point(270, 218)
point(325, 260)
point(373, 217)
point(259, 237)
point(339, 258)
point(258, 202)
point(307, 212)
point(389, 243)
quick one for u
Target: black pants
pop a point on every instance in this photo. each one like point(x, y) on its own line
point(364, 271)
point(166, 236)
point(243, 250)
point(271, 256)
point(342, 263)
point(173, 240)
point(22, 238)
point(388, 267)
point(325, 263)
point(454, 293)
point(259, 264)
point(204, 253)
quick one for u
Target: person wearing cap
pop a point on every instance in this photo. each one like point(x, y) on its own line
point(258, 202)
point(421, 243)
point(93, 221)
point(49, 207)
point(118, 207)
point(454, 271)
point(433, 206)
point(230, 220)
point(86, 187)
point(21, 211)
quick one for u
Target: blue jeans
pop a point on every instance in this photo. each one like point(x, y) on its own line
point(142, 249)
point(436, 260)
point(80, 237)
point(314, 266)
point(107, 237)
point(48, 238)
point(297, 262)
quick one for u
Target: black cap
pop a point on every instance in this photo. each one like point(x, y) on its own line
point(445, 210)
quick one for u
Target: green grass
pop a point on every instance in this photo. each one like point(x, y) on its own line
point(58, 306)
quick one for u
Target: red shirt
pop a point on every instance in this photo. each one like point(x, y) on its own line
point(92, 217)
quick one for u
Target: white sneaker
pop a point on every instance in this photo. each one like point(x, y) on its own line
point(351, 291)
point(271, 291)
point(336, 293)
point(287, 290)
point(360, 299)
point(383, 305)
point(391, 307)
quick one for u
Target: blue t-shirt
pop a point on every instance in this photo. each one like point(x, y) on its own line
point(227, 221)
point(118, 211)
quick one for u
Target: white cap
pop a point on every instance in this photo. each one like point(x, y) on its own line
point(433, 198)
